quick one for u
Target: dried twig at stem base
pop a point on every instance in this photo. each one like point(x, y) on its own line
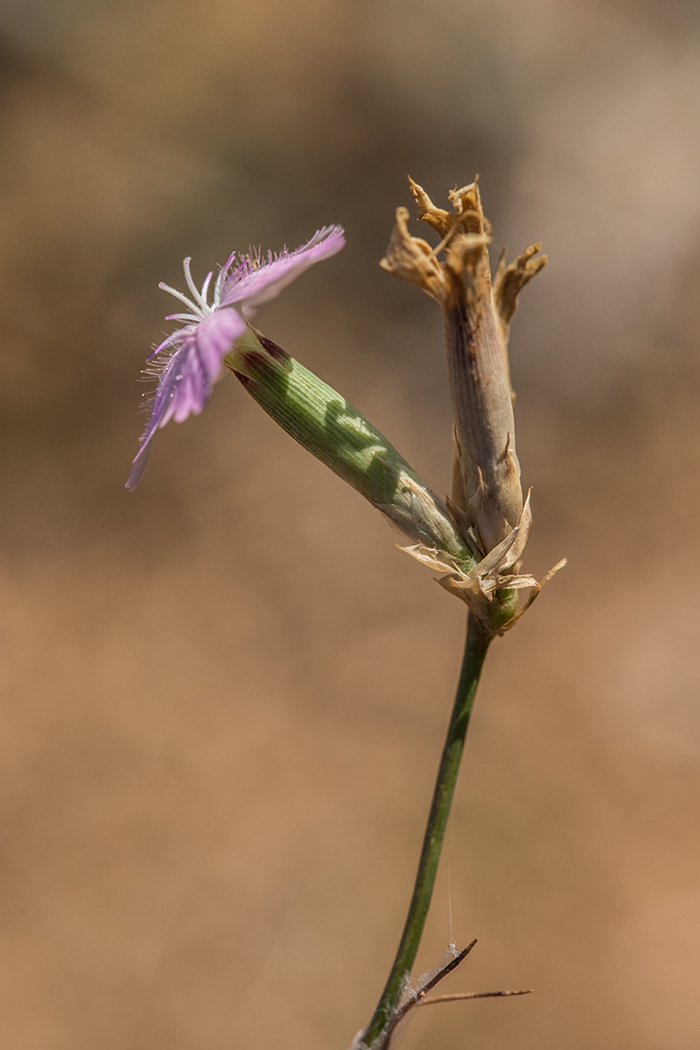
point(452, 965)
point(454, 997)
point(421, 998)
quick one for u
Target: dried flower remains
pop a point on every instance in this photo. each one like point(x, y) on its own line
point(487, 497)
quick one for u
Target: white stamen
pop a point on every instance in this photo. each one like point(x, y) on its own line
point(198, 296)
point(205, 289)
point(184, 317)
point(183, 299)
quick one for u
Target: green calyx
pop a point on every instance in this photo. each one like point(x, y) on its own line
point(321, 420)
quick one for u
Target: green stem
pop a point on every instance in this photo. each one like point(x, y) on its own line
point(379, 1029)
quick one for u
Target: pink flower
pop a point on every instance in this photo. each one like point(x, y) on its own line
point(188, 362)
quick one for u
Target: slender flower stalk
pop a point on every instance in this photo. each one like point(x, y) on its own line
point(378, 1033)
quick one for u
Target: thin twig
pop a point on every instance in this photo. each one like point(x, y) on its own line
point(454, 997)
point(422, 999)
point(452, 965)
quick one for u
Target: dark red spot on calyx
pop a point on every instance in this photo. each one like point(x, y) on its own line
point(273, 349)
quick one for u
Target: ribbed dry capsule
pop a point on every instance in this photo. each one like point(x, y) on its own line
point(487, 495)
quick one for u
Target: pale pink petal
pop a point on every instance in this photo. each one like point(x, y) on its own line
point(188, 377)
point(258, 285)
point(216, 334)
point(161, 401)
point(200, 363)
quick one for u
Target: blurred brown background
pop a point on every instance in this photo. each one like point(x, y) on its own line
point(223, 696)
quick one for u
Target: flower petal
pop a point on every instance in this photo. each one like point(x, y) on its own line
point(192, 355)
point(188, 377)
point(161, 400)
point(258, 284)
point(215, 336)
point(199, 363)
point(138, 467)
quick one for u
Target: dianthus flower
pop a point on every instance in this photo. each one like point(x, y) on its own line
point(188, 362)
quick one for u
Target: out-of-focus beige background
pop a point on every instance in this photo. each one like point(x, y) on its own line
point(223, 696)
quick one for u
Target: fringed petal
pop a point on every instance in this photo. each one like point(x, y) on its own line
point(197, 349)
point(264, 281)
